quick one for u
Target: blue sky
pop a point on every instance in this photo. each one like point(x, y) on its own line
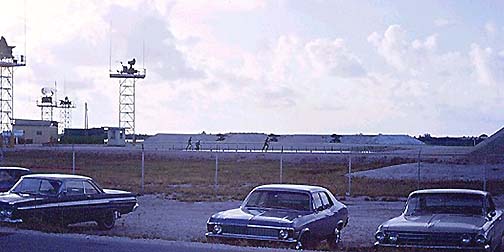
point(271, 66)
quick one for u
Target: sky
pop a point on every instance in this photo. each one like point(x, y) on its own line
point(284, 67)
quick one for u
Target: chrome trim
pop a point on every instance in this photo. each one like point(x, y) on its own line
point(250, 237)
point(377, 244)
point(135, 207)
point(270, 227)
point(79, 203)
point(9, 220)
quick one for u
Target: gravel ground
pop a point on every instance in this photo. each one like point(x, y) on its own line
point(160, 218)
point(433, 171)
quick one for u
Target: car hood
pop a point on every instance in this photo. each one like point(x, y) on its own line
point(436, 223)
point(269, 217)
point(14, 198)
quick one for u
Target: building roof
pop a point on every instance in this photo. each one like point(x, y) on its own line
point(450, 191)
point(28, 122)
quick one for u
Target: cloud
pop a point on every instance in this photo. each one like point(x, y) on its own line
point(333, 58)
point(490, 28)
point(488, 65)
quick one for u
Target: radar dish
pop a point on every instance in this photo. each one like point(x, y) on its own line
point(48, 91)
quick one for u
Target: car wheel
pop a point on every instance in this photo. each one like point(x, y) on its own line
point(107, 222)
point(334, 240)
point(307, 242)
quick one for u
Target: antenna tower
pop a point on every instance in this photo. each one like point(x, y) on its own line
point(48, 103)
point(127, 76)
point(66, 107)
point(8, 62)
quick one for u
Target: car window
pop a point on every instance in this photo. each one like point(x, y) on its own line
point(490, 204)
point(317, 202)
point(29, 185)
point(89, 188)
point(279, 200)
point(326, 201)
point(49, 187)
point(74, 187)
point(6, 176)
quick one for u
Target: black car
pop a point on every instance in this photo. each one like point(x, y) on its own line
point(444, 220)
point(10, 175)
point(64, 199)
point(296, 215)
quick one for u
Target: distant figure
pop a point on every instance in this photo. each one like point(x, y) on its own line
point(266, 144)
point(198, 144)
point(189, 144)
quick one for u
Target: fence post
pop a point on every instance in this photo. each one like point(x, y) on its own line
point(349, 191)
point(143, 168)
point(485, 175)
point(281, 168)
point(418, 168)
point(216, 178)
point(73, 160)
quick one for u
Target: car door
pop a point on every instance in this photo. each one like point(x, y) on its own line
point(494, 216)
point(96, 203)
point(73, 201)
point(318, 226)
point(331, 220)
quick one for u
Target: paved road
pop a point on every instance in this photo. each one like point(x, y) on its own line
point(33, 241)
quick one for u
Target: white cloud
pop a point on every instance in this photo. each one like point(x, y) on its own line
point(488, 65)
point(333, 58)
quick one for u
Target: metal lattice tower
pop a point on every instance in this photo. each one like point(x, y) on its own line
point(127, 79)
point(8, 62)
point(66, 107)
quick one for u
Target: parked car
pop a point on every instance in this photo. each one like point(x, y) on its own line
point(444, 219)
point(64, 199)
point(296, 215)
point(10, 175)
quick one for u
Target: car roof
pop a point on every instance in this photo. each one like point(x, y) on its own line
point(461, 191)
point(291, 187)
point(56, 176)
point(15, 168)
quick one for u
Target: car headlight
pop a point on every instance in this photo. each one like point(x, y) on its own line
point(380, 236)
point(6, 212)
point(393, 237)
point(465, 239)
point(283, 234)
point(217, 229)
point(481, 239)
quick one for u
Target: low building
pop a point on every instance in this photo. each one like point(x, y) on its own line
point(84, 136)
point(35, 131)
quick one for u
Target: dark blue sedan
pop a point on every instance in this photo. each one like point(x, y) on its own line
point(10, 175)
point(296, 215)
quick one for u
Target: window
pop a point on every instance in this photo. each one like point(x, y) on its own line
point(89, 188)
point(74, 187)
point(49, 187)
point(279, 200)
point(317, 202)
point(326, 201)
point(39, 133)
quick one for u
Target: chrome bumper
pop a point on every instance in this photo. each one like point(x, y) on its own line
point(9, 220)
point(378, 245)
point(250, 237)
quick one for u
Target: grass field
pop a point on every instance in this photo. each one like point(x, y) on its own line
point(193, 179)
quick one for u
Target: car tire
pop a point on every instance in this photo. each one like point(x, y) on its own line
point(307, 242)
point(334, 240)
point(107, 221)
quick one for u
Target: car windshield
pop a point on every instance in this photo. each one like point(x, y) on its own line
point(37, 186)
point(279, 200)
point(445, 203)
